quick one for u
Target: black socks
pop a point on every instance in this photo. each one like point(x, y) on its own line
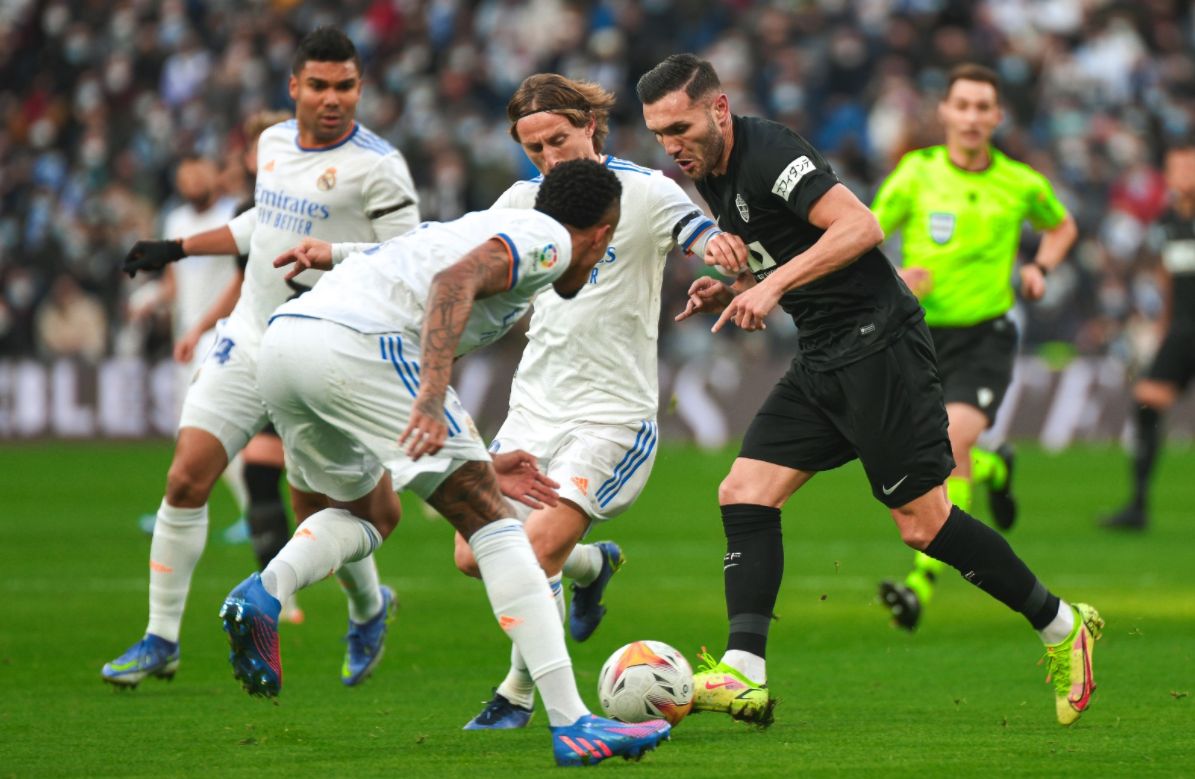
point(1145, 454)
point(269, 528)
point(752, 570)
point(986, 560)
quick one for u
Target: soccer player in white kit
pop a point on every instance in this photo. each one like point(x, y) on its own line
point(190, 289)
point(355, 375)
point(585, 395)
point(321, 174)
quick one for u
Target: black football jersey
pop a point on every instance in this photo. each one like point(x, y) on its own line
point(1173, 238)
point(772, 180)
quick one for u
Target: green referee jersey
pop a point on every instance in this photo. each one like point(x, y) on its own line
point(964, 227)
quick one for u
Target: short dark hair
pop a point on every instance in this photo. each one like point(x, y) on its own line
point(578, 193)
point(324, 44)
point(679, 71)
point(970, 71)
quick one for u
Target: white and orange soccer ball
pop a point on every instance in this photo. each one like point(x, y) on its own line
point(646, 680)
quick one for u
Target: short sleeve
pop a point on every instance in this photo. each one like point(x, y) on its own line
point(391, 204)
point(521, 194)
point(892, 202)
point(675, 220)
point(241, 228)
point(1044, 210)
point(539, 247)
point(796, 173)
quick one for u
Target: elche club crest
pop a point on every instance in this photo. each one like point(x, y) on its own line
point(741, 205)
point(327, 180)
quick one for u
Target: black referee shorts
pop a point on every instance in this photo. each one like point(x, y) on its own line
point(1175, 361)
point(885, 409)
point(976, 363)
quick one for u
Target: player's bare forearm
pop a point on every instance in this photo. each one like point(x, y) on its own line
point(844, 241)
point(1056, 243)
point(482, 272)
point(216, 241)
point(850, 231)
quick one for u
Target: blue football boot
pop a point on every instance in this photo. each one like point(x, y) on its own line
point(151, 656)
point(250, 617)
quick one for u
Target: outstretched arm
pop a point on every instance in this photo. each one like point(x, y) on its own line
point(482, 272)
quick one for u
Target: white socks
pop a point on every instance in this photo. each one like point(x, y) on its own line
point(359, 580)
point(750, 665)
point(1061, 626)
point(518, 686)
point(234, 479)
point(522, 602)
point(325, 541)
point(584, 564)
point(179, 538)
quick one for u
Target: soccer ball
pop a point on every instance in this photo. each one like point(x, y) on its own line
point(646, 680)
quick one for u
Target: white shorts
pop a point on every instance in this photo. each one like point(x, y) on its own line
point(340, 399)
point(223, 397)
point(600, 467)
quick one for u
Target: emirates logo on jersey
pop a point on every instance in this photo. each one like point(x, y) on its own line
point(327, 180)
point(741, 205)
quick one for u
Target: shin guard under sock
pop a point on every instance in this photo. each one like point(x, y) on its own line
point(986, 560)
point(752, 570)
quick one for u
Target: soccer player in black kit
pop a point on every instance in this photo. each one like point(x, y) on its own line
point(864, 383)
point(1173, 367)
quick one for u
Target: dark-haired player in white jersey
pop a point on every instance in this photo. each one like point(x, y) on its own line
point(356, 375)
point(321, 174)
point(585, 395)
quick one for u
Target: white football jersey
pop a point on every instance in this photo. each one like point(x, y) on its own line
point(593, 359)
point(357, 190)
point(198, 279)
point(384, 289)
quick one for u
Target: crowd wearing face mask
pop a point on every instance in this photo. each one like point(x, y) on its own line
point(105, 100)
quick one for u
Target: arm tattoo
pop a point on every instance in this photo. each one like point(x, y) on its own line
point(482, 272)
point(470, 498)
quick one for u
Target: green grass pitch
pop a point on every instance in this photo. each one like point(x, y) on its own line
point(961, 697)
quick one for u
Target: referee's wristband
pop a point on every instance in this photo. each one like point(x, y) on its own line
point(1041, 268)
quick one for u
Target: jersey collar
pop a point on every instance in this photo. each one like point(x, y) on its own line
point(348, 137)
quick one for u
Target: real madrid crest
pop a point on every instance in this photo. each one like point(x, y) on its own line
point(327, 179)
point(741, 205)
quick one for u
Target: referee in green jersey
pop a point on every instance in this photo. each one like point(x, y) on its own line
point(959, 208)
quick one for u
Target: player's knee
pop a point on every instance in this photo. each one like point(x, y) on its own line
point(916, 534)
point(185, 486)
point(731, 490)
point(550, 550)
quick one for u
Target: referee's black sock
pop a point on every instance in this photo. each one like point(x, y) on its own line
point(1145, 453)
point(269, 529)
point(752, 569)
point(986, 560)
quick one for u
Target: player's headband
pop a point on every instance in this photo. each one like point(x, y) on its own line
point(583, 108)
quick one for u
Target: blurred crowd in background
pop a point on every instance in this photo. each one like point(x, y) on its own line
point(102, 98)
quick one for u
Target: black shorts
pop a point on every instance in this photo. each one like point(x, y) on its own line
point(976, 363)
point(1175, 361)
point(885, 409)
